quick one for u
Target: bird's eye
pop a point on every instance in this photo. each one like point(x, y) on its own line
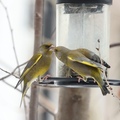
point(56, 50)
point(47, 46)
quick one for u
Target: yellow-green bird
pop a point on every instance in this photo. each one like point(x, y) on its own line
point(85, 63)
point(38, 65)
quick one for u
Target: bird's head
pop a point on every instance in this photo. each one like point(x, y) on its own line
point(61, 53)
point(46, 48)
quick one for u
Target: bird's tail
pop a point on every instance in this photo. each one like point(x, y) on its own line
point(22, 98)
point(25, 88)
point(19, 82)
point(104, 90)
point(101, 84)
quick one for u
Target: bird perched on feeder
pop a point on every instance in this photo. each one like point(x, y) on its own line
point(38, 65)
point(85, 63)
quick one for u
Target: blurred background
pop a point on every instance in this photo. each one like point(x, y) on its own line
point(21, 16)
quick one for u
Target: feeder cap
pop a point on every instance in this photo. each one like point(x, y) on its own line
point(85, 1)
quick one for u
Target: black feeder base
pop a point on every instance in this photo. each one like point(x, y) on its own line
point(73, 82)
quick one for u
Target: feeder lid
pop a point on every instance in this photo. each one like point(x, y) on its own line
point(85, 1)
point(73, 82)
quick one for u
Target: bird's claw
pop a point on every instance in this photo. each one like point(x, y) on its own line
point(79, 78)
point(46, 77)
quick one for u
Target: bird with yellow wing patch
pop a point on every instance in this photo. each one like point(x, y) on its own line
point(38, 65)
point(85, 63)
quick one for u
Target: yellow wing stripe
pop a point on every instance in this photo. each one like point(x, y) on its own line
point(83, 62)
point(27, 70)
point(87, 63)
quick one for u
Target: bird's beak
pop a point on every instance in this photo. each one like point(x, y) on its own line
point(51, 48)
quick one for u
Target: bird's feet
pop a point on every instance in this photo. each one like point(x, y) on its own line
point(79, 78)
point(46, 77)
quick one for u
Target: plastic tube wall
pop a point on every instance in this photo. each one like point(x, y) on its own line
point(81, 25)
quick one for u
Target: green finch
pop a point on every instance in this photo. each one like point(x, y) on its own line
point(38, 65)
point(85, 63)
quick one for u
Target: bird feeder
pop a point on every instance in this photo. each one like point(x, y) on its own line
point(82, 24)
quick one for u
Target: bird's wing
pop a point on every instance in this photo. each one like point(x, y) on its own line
point(31, 63)
point(89, 54)
point(92, 56)
point(78, 57)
